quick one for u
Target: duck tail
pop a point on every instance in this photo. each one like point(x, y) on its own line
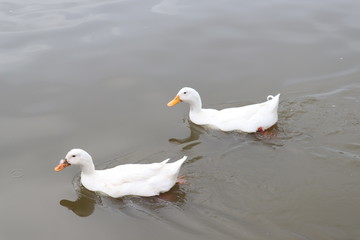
point(177, 164)
point(273, 102)
point(180, 161)
point(165, 161)
point(271, 97)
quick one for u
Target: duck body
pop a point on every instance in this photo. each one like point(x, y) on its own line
point(129, 179)
point(134, 179)
point(249, 118)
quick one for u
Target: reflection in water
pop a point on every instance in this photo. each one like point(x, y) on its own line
point(86, 200)
point(193, 139)
point(271, 135)
point(83, 206)
point(120, 53)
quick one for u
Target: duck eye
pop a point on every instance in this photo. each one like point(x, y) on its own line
point(184, 92)
point(73, 155)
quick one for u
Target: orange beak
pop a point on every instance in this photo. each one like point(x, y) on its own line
point(175, 101)
point(63, 164)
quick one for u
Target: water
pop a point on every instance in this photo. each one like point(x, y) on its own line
point(98, 75)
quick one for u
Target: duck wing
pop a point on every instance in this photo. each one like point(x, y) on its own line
point(139, 179)
point(248, 118)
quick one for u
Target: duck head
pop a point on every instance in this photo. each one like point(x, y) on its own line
point(75, 157)
point(187, 95)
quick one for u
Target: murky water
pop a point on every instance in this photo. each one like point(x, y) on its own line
point(98, 74)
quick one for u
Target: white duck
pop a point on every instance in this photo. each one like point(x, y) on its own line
point(129, 179)
point(250, 118)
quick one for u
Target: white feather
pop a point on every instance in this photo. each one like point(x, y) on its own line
point(245, 119)
point(129, 179)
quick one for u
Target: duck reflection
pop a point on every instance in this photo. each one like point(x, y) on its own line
point(84, 205)
point(196, 131)
point(192, 140)
point(86, 201)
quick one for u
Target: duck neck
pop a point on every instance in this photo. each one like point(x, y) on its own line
point(88, 168)
point(196, 105)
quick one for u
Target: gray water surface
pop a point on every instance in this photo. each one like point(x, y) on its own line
point(97, 75)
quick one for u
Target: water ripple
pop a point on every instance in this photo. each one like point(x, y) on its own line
point(18, 17)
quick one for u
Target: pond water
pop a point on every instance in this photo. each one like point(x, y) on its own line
point(97, 75)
